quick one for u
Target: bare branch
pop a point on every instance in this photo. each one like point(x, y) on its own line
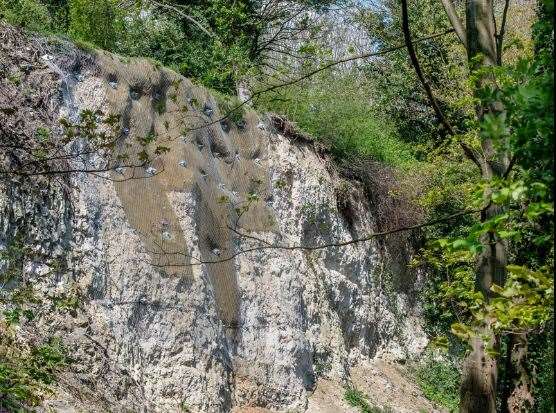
point(471, 154)
point(415, 62)
point(184, 15)
point(467, 150)
point(500, 35)
point(267, 245)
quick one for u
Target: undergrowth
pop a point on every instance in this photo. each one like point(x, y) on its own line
point(356, 398)
point(339, 111)
point(439, 380)
point(25, 374)
point(28, 367)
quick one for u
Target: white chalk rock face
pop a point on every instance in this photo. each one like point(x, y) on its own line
point(193, 292)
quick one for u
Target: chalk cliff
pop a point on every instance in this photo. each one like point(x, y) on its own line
point(182, 300)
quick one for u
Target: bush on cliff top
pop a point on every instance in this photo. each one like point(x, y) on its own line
point(339, 111)
point(29, 14)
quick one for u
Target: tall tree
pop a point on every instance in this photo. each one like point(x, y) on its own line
point(479, 380)
point(483, 44)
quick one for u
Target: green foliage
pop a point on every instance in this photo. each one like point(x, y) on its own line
point(378, 112)
point(67, 301)
point(12, 259)
point(59, 15)
point(356, 398)
point(98, 22)
point(26, 370)
point(339, 112)
point(541, 356)
point(26, 374)
point(220, 49)
point(30, 14)
point(439, 380)
point(525, 89)
point(160, 106)
point(157, 37)
point(216, 59)
point(400, 94)
point(525, 302)
point(235, 30)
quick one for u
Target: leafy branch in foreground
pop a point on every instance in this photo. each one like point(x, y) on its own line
point(94, 144)
point(499, 292)
point(524, 303)
point(265, 245)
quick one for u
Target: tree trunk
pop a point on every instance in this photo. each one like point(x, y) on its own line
point(520, 398)
point(479, 376)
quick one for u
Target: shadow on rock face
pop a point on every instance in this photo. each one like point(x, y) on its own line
point(223, 168)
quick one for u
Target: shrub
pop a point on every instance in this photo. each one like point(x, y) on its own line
point(339, 111)
point(25, 375)
point(159, 38)
point(30, 14)
point(356, 398)
point(439, 380)
point(193, 54)
point(99, 22)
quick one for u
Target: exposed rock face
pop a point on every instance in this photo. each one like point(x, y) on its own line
point(158, 330)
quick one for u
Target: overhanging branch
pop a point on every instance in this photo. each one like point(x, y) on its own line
point(268, 245)
point(415, 62)
point(184, 15)
point(467, 150)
